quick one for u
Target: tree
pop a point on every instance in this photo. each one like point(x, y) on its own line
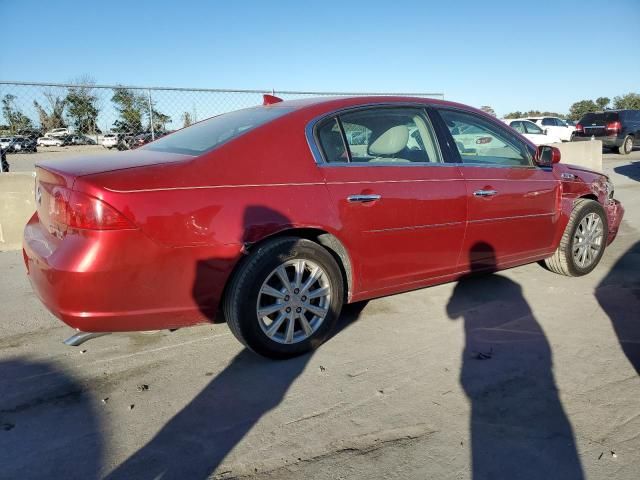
point(54, 117)
point(488, 109)
point(82, 109)
point(516, 114)
point(628, 101)
point(578, 109)
point(186, 119)
point(130, 107)
point(15, 118)
point(602, 102)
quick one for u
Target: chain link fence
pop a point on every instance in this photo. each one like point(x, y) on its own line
point(91, 113)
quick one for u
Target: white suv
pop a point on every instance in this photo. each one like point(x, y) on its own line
point(57, 132)
point(110, 140)
point(532, 131)
point(555, 126)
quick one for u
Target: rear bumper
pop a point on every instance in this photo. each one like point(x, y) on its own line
point(123, 281)
point(606, 141)
point(615, 212)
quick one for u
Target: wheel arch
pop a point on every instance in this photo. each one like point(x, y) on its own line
point(322, 237)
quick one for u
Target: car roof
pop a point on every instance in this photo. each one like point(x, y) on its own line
point(337, 102)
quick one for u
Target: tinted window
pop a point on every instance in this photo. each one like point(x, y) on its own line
point(209, 134)
point(599, 118)
point(548, 122)
point(379, 135)
point(482, 142)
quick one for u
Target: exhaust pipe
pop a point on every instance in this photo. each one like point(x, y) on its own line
point(81, 337)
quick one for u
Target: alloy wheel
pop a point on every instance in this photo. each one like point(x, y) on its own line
point(293, 301)
point(587, 240)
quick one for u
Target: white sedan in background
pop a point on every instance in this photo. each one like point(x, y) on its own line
point(532, 131)
point(49, 142)
point(555, 126)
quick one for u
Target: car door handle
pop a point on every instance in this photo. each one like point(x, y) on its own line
point(363, 198)
point(485, 193)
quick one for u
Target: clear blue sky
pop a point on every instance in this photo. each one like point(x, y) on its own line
point(512, 55)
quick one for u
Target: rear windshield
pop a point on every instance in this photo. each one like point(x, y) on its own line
point(209, 134)
point(599, 118)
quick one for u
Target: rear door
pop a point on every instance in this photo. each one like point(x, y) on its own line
point(512, 204)
point(401, 208)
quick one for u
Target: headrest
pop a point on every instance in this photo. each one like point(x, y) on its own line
point(390, 142)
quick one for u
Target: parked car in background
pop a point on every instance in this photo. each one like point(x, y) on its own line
point(111, 140)
point(144, 138)
point(554, 126)
point(253, 214)
point(23, 145)
point(533, 132)
point(571, 123)
point(82, 140)
point(57, 132)
point(618, 129)
point(5, 142)
point(50, 142)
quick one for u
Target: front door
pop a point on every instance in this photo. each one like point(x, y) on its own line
point(401, 208)
point(513, 205)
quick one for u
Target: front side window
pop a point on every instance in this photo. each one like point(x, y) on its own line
point(379, 135)
point(479, 141)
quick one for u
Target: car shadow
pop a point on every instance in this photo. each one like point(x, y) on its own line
point(518, 426)
point(49, 427)
point(631, 170)
point(194, 442)
point(619, 296)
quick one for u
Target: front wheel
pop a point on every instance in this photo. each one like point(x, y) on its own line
point(583, 241)
point(285, 298)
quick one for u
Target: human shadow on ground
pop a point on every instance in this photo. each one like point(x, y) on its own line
point(518, 429)
point(619, 296)
point(196, 440)
point(48, 424)
point(631, 170)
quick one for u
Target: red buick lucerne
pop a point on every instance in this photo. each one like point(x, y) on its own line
point(273, 217)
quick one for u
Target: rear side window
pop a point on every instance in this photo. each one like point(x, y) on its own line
point(548, 122)
point(518, 126)
point(209, 134)
point(532, 128)
point(379, 136)
point(481, 142)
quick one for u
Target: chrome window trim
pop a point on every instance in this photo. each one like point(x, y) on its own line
point(316, 150)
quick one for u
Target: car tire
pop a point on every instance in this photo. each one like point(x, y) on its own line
point(566, 258)
point(281, 334)
point(627, 146)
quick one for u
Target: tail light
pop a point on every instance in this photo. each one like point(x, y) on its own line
point(82, 211)
point(579, 128)
point(614, 127)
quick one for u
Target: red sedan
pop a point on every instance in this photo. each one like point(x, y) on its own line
point(273, 217)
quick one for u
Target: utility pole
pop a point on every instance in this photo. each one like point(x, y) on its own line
point(153, 136)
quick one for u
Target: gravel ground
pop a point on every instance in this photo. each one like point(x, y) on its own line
point(521, 374)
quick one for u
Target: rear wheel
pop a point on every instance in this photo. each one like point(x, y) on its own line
point(627, 146)
point(583, 241)
point(285, 298)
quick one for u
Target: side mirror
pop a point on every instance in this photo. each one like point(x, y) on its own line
point(547, 156)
